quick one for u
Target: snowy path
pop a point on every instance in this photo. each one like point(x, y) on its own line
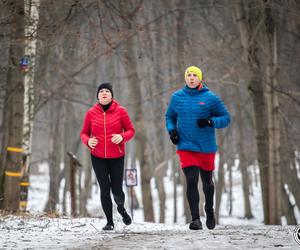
point(229, 237)
point(41, 232)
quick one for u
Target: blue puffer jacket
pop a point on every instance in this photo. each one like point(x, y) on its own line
point(186, 106)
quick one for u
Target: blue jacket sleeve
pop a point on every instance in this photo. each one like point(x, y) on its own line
point(221, 117)
point(171, 116)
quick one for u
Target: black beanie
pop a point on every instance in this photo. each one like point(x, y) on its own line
point(105, 85)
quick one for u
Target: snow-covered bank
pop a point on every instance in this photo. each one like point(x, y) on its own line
point(234, 232)
point(38, 194)
point(40, 232)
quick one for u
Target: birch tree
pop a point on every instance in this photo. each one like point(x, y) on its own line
point(32, 17)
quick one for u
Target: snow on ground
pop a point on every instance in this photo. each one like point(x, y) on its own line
point(36, 231)
point(39, 191)
point(40, 232)
point(237, 216)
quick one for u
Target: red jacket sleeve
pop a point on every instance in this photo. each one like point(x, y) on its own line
point(85, 133)
point(128, 128)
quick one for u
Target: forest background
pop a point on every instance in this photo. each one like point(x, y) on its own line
point(54, 54)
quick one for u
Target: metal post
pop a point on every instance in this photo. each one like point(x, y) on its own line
point(131, 205)
point(73, 164)
point(73, 186)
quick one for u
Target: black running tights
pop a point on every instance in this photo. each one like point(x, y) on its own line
point(109, 173)
point(192, 177)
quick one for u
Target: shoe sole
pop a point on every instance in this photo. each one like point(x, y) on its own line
point(195, 227)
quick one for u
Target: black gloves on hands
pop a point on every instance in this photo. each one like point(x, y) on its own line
point(174, 136)
point(202, 123)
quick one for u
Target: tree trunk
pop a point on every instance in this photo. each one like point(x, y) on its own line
point(32, 17)
point(289, 177)
point(219, 186)
point(145, 180)
point(85, 192)
point(175, 181)
point(230, 193)
point(162, 198)
point(54, 156)
point(180, 31)
point(288, 208)
point(131, 69)
point(247, 29)
point(159, 151)
point(140, 138)
point(14, 102)
point(273, 120)
point(243, 161)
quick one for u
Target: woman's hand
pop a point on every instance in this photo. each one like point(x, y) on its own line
point(92, 142)
point(116, 138)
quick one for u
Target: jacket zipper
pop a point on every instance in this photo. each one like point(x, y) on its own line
point(119, 148)
point(104, 134)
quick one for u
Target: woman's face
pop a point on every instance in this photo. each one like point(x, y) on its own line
point(104, 96)
point(192, 80)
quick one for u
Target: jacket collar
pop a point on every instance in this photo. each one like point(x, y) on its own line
point(111, 109)
point(195, 91)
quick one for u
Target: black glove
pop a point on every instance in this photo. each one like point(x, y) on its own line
point(174, 136)
point(202, 123)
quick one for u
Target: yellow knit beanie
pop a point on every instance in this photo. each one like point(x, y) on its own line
point(195, 70)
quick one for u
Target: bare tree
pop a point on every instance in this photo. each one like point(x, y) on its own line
point(248, 18)
point(243, 161)
point(128, 11)
point(32, 17)
point(13, 116)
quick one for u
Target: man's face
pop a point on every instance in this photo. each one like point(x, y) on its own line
point(192, 80)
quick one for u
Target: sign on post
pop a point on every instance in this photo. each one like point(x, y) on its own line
point(131, 177)
point(131, 181)
point(24, 63)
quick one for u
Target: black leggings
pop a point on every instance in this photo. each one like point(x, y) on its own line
point(192, 177)
point(109, 173)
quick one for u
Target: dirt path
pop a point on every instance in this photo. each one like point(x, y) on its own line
point(37, 232)
point(229, 237)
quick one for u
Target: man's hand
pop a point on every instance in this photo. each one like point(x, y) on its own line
point(92, 142)
point(202, 123)
point(116, 138)
point(174, 136)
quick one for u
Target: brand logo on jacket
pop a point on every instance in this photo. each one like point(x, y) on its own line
point(201, 103)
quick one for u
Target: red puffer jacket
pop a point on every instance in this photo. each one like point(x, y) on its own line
point(102, 125)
